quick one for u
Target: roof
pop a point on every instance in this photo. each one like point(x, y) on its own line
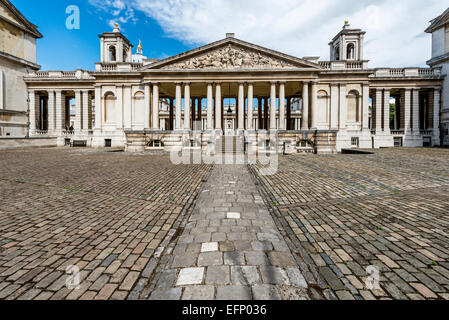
point(438, 22)
point(27, 25)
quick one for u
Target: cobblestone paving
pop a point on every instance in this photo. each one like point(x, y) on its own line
point(106, 213)
point(389, 210)
point(230, 248)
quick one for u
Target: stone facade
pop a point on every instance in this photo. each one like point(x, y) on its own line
point(439, 29)
point(17, 57)
point(302, 105)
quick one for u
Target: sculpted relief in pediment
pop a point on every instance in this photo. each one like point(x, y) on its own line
point(231, 57)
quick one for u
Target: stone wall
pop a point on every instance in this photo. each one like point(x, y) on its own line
point(15, 143)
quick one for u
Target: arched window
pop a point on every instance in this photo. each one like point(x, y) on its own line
point(109, 109)
point(125, 55)
point(350, 52)
point(337, 53)
point(112, 54)
point(353, 106)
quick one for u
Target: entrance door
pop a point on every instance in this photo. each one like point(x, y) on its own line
point(229, 130)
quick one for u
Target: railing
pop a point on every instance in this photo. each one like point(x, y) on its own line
point(77, 74)
point(397, 132)
point(136, 66)
point(68, 74)
point(395, 72)
point(68, 132)
point(108, 67)
point(407, 72)
point(325, 64)
point(343, 65)
point(354, 65)
point(427, 132)
point(41, 132)
point(42, 74)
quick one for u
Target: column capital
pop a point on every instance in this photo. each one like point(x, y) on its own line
point(210, 83)
point(282, 81)
point(187, 83)
point(178, 83)
point(218, 82)
point(155, 83)
point(334, 84)
point(250, 82)
point(273, 82)
point(242, 82)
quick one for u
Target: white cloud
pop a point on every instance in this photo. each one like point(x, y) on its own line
point(394, 28)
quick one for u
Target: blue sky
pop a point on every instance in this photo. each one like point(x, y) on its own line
point(63, 49)
point(395, 28)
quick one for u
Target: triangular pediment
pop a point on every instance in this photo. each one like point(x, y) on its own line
point(10, 13)
point(231, 54)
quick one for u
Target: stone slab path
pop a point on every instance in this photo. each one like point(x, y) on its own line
point(229, 249)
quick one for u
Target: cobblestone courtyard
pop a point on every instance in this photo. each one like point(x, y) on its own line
point(139, 227)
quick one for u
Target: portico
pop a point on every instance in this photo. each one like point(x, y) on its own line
point(232, 87)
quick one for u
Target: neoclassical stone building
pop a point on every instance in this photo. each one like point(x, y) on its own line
point(232, 87)
point(439, 28)
point(17, 58)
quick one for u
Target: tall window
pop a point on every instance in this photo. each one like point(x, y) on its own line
point(337, 53)
point(112, 54)
point(125, 56)
point(350, 52)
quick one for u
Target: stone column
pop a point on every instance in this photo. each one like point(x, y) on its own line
point(218, 106)
point(210, 123)
point(119, 107)
point(415, 113)
point(187, 106)
point(32, 115)
point(51, 111)
point(305, 106)
point(343, 106)
point(250, 106)
point(156, 106)
point(98, 101)
point(378, 107)
point(171, 119)
point(178, 106)
point(334, 106)
point(365, 103)
point(282, 105)
point(147, 106)
point(407, 110)
point(86, 111)
point(386, 104)
point(59, 112)
point(78, 106)
point(241, 106)
point(436, 116)
point(314, 105)
point(129, 107)
point(273, 106)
